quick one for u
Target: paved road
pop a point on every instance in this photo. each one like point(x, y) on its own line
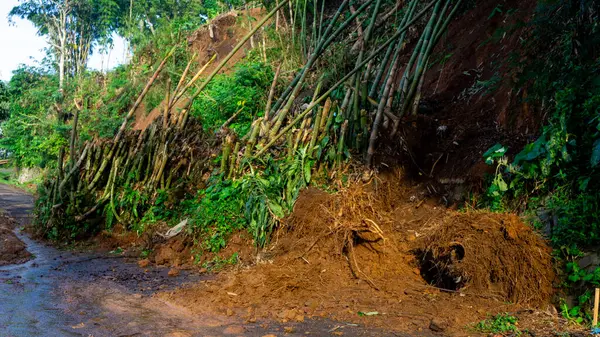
point(84, 294)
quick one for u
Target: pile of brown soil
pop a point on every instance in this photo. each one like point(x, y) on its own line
point(12, 250)
point(488, 253)
point(351, 253)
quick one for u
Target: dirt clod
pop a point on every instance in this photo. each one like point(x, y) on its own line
point(143, 263)
point(173, 272)
point(437, 325)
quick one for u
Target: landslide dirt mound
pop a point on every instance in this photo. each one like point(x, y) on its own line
point(12, 250)
point(354, 256)
point(488, 254)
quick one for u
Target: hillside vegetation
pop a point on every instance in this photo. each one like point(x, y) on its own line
point(229, 110)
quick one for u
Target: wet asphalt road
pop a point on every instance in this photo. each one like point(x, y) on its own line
point(60, 293)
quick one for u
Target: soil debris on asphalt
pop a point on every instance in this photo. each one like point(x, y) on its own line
point(12, 249)
point(359, 256)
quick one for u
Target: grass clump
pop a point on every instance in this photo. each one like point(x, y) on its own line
point(501, 323)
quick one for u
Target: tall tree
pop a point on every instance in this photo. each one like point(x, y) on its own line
point(73, 28)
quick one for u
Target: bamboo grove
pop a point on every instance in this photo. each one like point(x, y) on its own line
point(390, 46)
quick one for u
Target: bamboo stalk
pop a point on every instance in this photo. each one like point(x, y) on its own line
point(272, 93)
point(315, 132)
point(290, 145)
point(342, 140)
point(379, 115)
point(167, 100)
point(163, 164)
point(423, 55)
point(182, 78)
point(253, 138)
point(74, 168)
point(226, 154)
point(325, 117)
point(194, 79)
point(233, 163)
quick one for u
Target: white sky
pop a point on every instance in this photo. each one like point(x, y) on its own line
point(20, 44)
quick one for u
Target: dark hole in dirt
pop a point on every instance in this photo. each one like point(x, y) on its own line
point(440, 270)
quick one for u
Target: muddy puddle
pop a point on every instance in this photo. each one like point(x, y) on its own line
point(60, 293)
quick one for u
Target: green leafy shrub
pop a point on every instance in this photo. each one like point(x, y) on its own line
point(245, 90)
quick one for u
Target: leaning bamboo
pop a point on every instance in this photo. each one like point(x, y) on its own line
point(345, 78)
point(321, 45)
point(194, 79)
point(296, 86)
point(272, 93)
point(341, 141)
point(315, 132)
point(253, 138)
point(182, 78)
point(130, 114)
point(379, 114)
point(74, 169)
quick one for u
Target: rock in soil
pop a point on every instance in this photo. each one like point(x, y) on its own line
point(437, 325)
point(143, 263)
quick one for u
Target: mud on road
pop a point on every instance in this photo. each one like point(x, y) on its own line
point(66, 293)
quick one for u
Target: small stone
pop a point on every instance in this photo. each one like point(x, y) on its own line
point(229, 312)
point(289, 329)
point(437, 325)
point(269, 335)
point(173, 272)
point(143, 263)
point(290, 314)
point(137, 296)
point(234, 330)
point(252, 320)
point(299, 318)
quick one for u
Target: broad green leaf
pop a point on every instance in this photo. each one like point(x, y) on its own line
point(276, 209)
point(495, 151)
point(502, 186)
point(307, 171)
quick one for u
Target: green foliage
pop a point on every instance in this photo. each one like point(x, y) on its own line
point(245, 90)
point(32, 134)
point(498, 186)
point(272, 192)
point(217, 213)
point(559, 171)
point(147, 17)
point(501, 323)
point(4, 101)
